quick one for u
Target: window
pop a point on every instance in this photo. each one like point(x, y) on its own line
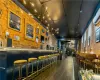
point(98, 35)
point(89, 33)
point(29, 31)
point(14, 21)
point(85, 39)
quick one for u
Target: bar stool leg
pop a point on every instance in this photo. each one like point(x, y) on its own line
point(27, 70)
point(84, 65)
point(19, 73)
point(32, 68)
point(37, 67)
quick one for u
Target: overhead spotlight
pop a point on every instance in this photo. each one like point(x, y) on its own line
point(47, 27)
point(48, 24)
point(48, 15)
point(24, 1)
point(47, 30)
point(32, 4)
point(46, 8)
point(57, 32)
point(49, 18)
point(29, 14)
point(43, 17)
point(80, 11)
point(52, 28)
point(38, 16)
point(37, 26)
point(35, 10)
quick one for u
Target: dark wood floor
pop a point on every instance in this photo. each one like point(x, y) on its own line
point(66, 69)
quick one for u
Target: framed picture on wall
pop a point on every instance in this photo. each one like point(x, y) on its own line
point(98, 35)
point(29, 31)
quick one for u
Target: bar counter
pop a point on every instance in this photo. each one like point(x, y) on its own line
point(9, 55)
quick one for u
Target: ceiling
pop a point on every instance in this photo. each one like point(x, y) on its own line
point(64, 18)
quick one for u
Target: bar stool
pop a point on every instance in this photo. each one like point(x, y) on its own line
point(31, 60)
point(20, 63)
point(41, 58)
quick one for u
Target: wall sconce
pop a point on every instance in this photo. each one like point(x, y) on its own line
point(7, 34)
point(91, 51)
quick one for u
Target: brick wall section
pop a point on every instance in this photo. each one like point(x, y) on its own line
point(93, 44)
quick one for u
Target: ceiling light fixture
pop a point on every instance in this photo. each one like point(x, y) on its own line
point(48, 24)
point(48, 15)
point(35, 10)
point(49, 18)
point(32, 4)
point(38, 16)
point(46, 8)
point(80, 11)
point(43, 17)
point(37, 26)
point(24, 1)
point(57, 32)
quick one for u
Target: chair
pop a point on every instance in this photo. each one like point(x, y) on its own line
point(90, 59)
point(97, 64)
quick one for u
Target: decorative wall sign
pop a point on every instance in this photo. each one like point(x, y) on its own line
point(17, 38)
point(98, 35)
point(37, 30)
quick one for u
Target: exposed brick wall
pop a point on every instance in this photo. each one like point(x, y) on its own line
point(93, 44)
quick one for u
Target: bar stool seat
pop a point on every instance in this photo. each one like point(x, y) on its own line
point(20, 62)
point(32, 59)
